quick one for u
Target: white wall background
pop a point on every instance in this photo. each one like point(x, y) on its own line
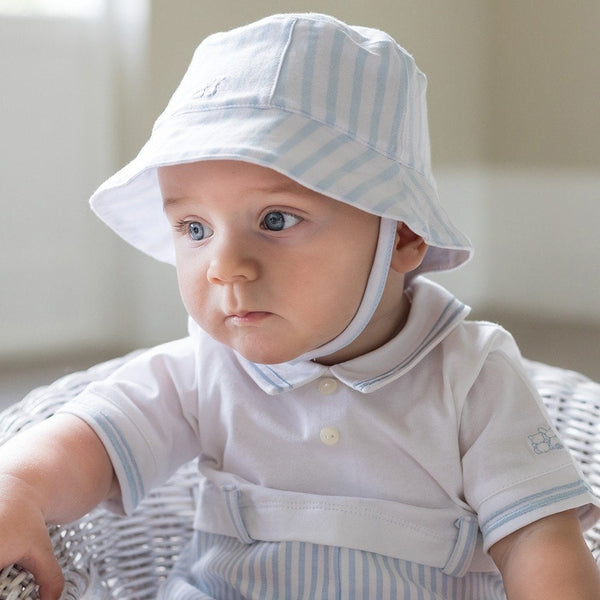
point(535, 232)
point(56, 126)
point(516, 142)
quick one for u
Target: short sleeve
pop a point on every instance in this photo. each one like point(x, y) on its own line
point(145, 415)
point(516, 469)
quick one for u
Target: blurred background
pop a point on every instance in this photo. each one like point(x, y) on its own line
point(514, 90)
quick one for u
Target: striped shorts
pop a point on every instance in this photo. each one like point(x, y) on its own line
point(217, 567)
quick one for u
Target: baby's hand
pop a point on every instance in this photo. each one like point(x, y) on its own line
point(24, 538)
point(53, 472)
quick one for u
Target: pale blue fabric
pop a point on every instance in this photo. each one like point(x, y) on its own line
point(223, 568)
point(340, 109)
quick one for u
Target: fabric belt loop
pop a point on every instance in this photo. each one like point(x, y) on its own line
point(462, 554)
point(232, 501)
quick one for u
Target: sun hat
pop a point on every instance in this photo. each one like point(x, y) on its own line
point(338, 108)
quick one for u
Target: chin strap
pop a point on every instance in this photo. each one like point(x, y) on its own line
point(371, 297)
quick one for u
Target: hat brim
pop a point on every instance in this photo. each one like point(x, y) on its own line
point(312, 153)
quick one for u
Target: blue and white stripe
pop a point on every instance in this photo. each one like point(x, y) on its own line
point(122, 457)
point(223, 568)
point(533, 503)
point(340, 109)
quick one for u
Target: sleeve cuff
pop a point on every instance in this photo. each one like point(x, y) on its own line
point(501, 515)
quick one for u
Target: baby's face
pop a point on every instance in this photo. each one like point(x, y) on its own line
point(265, 265)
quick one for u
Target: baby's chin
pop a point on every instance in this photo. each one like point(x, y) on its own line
point(267, 357)
point(267, 347)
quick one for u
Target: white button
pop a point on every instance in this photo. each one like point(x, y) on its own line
point(330, 436)
point(327, 386)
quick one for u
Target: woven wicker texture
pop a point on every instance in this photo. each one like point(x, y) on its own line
point(126, 558)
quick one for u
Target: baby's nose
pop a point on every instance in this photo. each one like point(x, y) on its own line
point(232, 261)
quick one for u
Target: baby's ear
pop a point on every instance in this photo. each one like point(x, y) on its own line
point(409, 250)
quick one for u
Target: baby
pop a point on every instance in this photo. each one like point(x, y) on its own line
point(356, 436)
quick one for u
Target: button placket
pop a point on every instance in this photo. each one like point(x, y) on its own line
point(328, 435)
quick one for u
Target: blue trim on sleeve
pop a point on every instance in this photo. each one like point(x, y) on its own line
point(125, 454)
point(534, 502)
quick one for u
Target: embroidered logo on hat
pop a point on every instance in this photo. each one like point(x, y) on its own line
point(210, 90)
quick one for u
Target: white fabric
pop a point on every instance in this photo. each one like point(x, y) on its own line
point(436, 428)
point(340, 109)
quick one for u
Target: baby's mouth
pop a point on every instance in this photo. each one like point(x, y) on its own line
point(248, 317)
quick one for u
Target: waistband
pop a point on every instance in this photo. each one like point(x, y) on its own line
point(447, 538)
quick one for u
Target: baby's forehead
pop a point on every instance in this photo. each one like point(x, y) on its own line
point(200, 175)
point(202, 170)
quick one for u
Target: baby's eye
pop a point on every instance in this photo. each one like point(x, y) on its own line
point(195, 230)
point(277, 220)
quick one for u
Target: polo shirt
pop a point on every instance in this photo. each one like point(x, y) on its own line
point(429, 449)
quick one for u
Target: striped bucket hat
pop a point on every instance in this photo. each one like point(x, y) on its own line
point(339, 109)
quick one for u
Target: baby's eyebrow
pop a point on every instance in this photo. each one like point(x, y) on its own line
point(286, 187)
point(281, 187)
point(171, 201)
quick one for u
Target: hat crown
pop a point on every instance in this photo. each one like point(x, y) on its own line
point(356, 80)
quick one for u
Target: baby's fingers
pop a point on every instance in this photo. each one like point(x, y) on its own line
point(44, 567)
point(24, 538)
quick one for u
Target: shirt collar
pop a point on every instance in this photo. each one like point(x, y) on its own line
point(434, 313)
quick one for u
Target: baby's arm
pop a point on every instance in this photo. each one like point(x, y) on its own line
point(54, 472)
point(548, 559)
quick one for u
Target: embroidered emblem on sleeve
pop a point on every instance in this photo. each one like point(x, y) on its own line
point(544, 441)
